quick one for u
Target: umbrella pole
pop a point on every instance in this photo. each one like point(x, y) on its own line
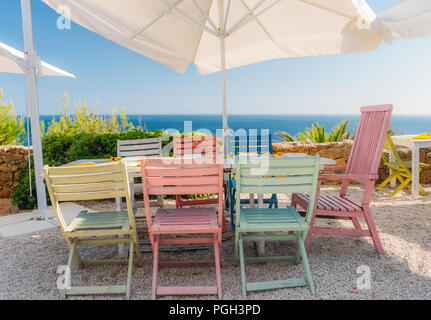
point(224, 95)
point(32, 96)
point(222, 37)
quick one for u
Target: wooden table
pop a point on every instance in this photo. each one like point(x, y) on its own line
point(415, 146)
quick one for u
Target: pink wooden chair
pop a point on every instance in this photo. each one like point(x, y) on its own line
point(362, 167)
point(199, 225)
point(201, 146)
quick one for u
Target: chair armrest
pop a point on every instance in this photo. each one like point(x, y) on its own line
point(334, 168)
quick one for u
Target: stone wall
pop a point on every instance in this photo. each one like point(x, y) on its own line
point(339, 151)
point(12, 159)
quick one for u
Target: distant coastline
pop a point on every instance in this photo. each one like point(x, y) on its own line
point(404, 124)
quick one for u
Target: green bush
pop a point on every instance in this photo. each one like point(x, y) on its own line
point(11, 128)
point(60, 149)
point(317, 133)
point(22, 197)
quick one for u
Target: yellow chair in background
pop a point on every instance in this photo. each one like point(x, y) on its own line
point(401, 170)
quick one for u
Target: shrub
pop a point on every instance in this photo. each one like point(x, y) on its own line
point(285, 136)
point(11, 128)
point(85, 121)
point(22, 197)
point(317, 133)
point(60, 149)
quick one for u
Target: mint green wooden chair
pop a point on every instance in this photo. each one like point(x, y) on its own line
point(104, 181)
point(269, 176)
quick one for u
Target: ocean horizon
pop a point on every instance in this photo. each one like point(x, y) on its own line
point(293, 124)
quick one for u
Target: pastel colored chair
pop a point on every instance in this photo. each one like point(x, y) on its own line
point(362, 167)
point(151, 147)
point(104, 181)
point(277, 224)
point(248, 145)
point(205, 146)
point(183, 225)
point(401, 170)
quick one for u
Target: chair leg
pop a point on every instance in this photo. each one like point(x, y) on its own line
point(139, 256)
point(242, 266)
point(402, 186)
point(356, 223)
point(217, 259)
point(422, 190)
point(310, 231)
point(76, 254)
point(384, 183)
point(129, 272)
point(293, 201)
point(298, 255)
point(305, 263)
point(178, 201)
point(67, 279)
point(236, 246)
point(232, 209)
point(373, 230)
point(274, 201)
point(155, 266)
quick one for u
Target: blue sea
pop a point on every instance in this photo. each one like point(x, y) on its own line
point(292, 124)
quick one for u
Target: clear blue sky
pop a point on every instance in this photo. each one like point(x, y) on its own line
point(114, 76)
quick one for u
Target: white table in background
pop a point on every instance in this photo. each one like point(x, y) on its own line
point(415, 146)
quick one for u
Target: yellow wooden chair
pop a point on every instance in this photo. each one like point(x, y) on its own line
point(104, 181)
point(401, 170)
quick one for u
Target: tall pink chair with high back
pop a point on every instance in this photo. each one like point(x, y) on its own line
point(362, 167)
point(205, 146)
point(196, 225)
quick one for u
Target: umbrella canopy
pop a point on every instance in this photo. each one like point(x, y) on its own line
point(177, 33)
point(216, 35)
point(13, 61)
point(408, 19)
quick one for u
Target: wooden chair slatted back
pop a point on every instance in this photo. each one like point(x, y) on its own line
point(369, 140)
point(295, 175)
point(140, 147)
point(201, 146)
point(247, 143)
point(161, 176)
point(94, 182)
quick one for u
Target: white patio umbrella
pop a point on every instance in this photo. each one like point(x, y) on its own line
point(408, 19)
point(216, 35)
point(14, 61)
point(28, 63)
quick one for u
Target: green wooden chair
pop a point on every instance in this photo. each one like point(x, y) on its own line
point(269, 176)
point(104, 181)
point(401, 170)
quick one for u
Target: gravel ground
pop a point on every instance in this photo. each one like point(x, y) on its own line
point(29, 264)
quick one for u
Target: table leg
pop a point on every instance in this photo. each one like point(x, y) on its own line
point(226, 193)
point(415, 171)
point(251, 200)
point(118, 203)
point(393, 182)
point(132, 192)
